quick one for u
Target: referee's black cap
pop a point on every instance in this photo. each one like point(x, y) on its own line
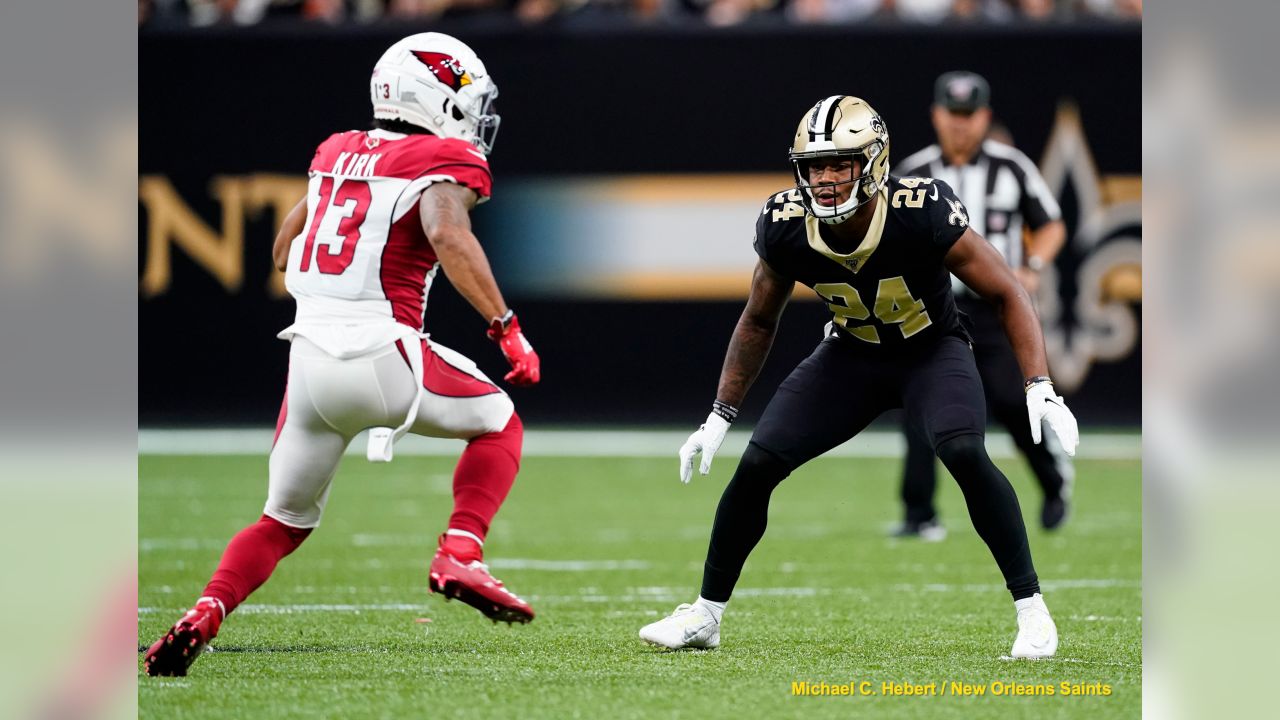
point(961, 91)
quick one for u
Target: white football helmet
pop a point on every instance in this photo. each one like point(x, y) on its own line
point(842, 126)
point(436, 82)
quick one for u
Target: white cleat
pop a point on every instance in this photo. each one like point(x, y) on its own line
point(1037, 635)
point(690, 626)
point(933, 531)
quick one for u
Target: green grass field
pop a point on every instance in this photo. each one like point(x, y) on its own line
point(603, 546)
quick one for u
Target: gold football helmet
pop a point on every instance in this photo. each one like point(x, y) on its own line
point(846, 127)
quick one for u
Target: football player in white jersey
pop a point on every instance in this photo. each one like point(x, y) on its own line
point(386, 209)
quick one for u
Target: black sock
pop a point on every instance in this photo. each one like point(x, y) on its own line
point(740, 520)
point(993, 508)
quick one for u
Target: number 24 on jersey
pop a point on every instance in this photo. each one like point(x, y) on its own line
point(894, 306)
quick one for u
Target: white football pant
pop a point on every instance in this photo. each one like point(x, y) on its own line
point(328, 401)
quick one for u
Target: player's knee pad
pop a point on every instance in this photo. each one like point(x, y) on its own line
point(964, 454)
point(292, 513)
point(296, 500)
point(514, 428)
point(761, 467)
point(510, 438)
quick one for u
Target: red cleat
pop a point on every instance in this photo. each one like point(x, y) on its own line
point(173, 654)
point(471, 583)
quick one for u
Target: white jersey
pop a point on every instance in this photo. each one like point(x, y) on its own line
point(362, 267)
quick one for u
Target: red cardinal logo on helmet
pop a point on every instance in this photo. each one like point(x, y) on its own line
point(446, 68)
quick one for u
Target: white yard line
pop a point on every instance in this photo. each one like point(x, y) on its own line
point(596, 443)
point(567, 565)
point(651, 594)
point(255, 609)
point(1048, 585)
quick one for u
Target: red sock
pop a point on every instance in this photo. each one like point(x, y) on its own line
point(484, 476)
point(250, 558)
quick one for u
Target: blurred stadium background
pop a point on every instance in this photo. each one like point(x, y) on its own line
point(632, 160)
point(718, 13)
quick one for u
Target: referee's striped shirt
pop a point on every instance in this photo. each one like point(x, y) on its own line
point(1000, 187)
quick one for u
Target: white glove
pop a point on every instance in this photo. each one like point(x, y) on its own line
point(706, 440)
point(1044, 406)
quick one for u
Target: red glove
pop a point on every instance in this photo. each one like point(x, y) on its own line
point(526, 369)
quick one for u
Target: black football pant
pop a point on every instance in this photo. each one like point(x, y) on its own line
point(830, 397)
point(1006, 401)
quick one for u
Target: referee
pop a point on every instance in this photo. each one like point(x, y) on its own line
point(1003, 191)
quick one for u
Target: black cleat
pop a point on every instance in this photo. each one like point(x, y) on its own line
point(1054, 512)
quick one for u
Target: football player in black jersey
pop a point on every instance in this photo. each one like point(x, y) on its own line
point(879, 249)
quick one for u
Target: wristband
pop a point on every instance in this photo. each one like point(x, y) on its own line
point(1036, 381)
point(725, 410)
point(498, 326)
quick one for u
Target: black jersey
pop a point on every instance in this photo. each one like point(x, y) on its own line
point(1002, 189)
point(893, 291)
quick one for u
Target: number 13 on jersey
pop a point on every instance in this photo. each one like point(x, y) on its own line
point(352, 199)
point(894, 306)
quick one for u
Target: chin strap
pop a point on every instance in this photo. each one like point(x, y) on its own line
point(840, 217)
point(382, 440)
